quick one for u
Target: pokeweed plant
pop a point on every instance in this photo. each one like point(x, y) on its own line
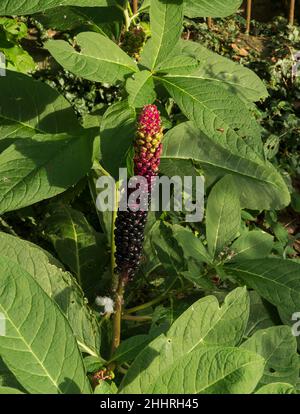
point(206, 103)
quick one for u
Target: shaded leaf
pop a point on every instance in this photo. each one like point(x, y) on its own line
point(278, 347)
point(223, 215)
point(276, 280)
point(31, 168)
point(77, 245)
point(260, 186)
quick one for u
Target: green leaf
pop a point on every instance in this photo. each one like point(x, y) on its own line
point(260, 186)
point(117, 131)
point(167, 250)
point(38, 347)
point(207, 323)
point(254, 244)
point(37, 168)
point(93, 363)
point(105, 388)
point(166, 19)
point(28, 107)
point(176, 256)
point(276, 280)
point(145, 5)
point(223, 215)
point(59, 285)
point(278, 347)
point(7, 379)
point(130, 348)
point(141, 89)
point(191, 245)
point(178, 65)
point(20, 7)
point(77, 245)
point(16, 57)
point(97, 19)
point(211, 8)
point(99, 59)
point(210, 371)
point(277, 388)
point(203, 324)
point(8, 390)
point(220, 114)
point(232, 76)
point(262, 314)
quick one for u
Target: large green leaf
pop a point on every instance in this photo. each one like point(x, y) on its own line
point(20, 7)
point(278, 347)
point(212, 8)
point(203, 324)
point(77, 245)
point(117, 132)
point(99, 59)
point(141, 89)
point(260, 186)
point(38, 347)
point(36, 168)
point(166, 25)
point(231, 75)
point(252, 245)
point(223, 215)
point(28, 107)
point(59, 285)
point(276, 280)
point(220, 114)
point(213, 370)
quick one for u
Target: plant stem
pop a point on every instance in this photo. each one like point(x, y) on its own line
point(209, 23)
point(135, 6)
point(249, 10)
point(118, 300)
point(136, 318)
point(115, 277)
point(292, 13)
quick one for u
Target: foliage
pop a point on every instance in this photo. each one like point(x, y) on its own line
point(210, 307)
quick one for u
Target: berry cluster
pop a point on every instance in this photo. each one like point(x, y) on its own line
point(130, 224)
point(133, 42)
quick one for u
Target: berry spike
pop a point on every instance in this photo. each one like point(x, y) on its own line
point(130, 225)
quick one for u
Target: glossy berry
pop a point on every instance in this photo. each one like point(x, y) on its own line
point(130, 225)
